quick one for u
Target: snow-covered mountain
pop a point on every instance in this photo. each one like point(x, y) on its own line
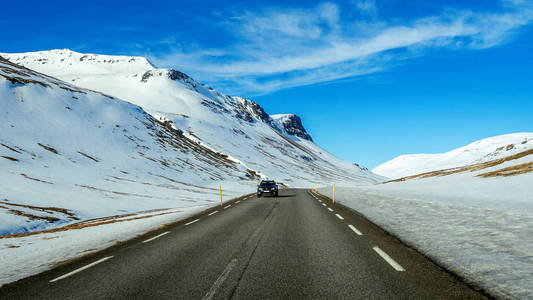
point(478, 152)
point(71, 149)
point(235, 126)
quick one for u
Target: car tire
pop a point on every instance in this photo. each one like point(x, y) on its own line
point(276, 194)
point(259, 195)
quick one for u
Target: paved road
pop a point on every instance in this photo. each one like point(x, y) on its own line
point(290, 247)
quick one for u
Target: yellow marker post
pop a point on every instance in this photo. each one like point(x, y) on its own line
point(220, 189)
point(334, 193)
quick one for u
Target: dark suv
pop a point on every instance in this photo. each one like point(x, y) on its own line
point(267, 186)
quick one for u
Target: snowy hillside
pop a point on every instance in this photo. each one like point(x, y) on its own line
point(477, 152)
point(235, 126)
point(68, 154)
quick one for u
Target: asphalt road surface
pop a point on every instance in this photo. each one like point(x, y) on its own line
point(294, 246)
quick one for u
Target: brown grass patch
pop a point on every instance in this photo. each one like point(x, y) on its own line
point(48, 148)
point(10, 148)
point(47, 209)
point(34, 179)
point(80, 226)
point(30, 216)
point(471, 168)
point(510, 171)
point(88, 156)
point(9, 158)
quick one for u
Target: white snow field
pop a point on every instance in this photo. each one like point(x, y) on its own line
point(479, 151)
point(71, 156)
point(480, 227)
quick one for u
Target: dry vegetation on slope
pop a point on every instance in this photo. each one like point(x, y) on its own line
point(508, 171)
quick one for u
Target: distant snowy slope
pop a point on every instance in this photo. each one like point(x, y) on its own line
point(477, 152)
point(278, 148)
point(62, 62)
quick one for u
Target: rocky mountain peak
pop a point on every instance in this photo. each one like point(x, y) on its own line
point(292, 124)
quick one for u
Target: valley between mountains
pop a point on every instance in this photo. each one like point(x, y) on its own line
point(98, 149)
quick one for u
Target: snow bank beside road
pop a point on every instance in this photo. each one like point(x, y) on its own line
point(482, 229)
point(25, 256)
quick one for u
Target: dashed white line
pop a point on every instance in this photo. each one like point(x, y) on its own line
point(388, 259)
point(227, 206)
point(355, 230)
point(220, 280)
point(213, 213)
point(81, 269)
point(237, 201)
point(330, 209)
point(323, 204)
point(192, 222)
point(155, 237)
point(339, 216)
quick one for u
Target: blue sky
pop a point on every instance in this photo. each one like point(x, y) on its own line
point(371, 79)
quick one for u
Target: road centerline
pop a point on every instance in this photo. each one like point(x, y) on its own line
point(213, 213)
point(81, 269)
point(211, 293)
point(330, 209)
point(339, 216)
point(227, 206)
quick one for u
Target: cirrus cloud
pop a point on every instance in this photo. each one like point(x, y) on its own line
point(280, 48)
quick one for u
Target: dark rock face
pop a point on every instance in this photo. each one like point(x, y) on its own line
point(146, 75)
point(171, 74)
point(177, 75)
point(293, 126)
point(249, 111)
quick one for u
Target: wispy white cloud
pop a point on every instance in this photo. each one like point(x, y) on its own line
point(285, 47)
point(366, 6)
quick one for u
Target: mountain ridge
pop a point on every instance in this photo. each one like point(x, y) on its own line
point(199, 111)
point(480, 151)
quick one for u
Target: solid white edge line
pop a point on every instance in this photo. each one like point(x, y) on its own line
point(330, 209)
point(192, 222)
point(388, 259)
point(211, 293)
point(227, 206)
point(339, 216)
point(213, 213)
point(355, 230)
point(155, 237)
point(81, 269)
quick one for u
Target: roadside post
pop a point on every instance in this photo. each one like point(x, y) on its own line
point(334, 193)
point(220, 189)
